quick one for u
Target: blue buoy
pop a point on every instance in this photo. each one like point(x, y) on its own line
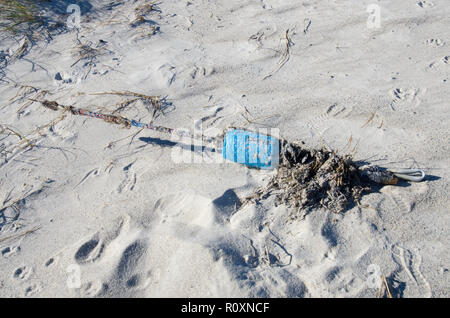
point(252, 149)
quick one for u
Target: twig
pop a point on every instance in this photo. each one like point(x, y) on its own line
point(307, 25)
point(387, 286)
point(380, 291)
point(286, 54)
point(19, 235)
point(384, 284)
point(21, 136)
point(112, 143)
point(154, 100)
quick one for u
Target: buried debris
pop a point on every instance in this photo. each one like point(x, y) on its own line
point(308, 179)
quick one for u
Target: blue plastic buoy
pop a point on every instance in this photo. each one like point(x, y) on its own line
point(252, 149)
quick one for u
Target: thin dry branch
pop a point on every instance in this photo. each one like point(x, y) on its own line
point(369, 120)
point(154, 101)
point(20, 234)
point(16, 133)
point(286, 55)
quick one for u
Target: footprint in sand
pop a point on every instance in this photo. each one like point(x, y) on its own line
point(90, 251)
point(64, 79)
point(225, 206)
point(133, 281)
point(33, 290)
point(197, 72)
point(438, 64)
point(94, 289)
point(410, 263)
point(129, 181)
point(262, 35)
point(266, 5)
point(268, 284)
point(126, 272)
point(129, 261)
point(435, 42)
point(405, 99)
point(51, 262)
point(93, 173)
point(10, 251)
point(405, 200)
point(23, 273)
point(321, 122)
point(168, 73)
point(425, 4)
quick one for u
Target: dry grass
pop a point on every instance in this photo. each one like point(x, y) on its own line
point(11, 149)
point(154, 104)
point(285, 55)
point(351, 153)
point(15, 236)
point(141, 11)
point(10, 131)
point(27, 140)
point(89, 54)
point(131, 137)
point(26, 21)
point(18, 16)
point(384, 286)
point(28, 93)
point(257, 38)
point(372, 115)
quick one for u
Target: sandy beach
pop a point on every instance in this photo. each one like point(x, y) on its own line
point(93, 209)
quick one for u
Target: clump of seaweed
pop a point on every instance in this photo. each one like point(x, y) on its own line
point(307, 179)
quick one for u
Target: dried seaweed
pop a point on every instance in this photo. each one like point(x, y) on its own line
point(307, 179)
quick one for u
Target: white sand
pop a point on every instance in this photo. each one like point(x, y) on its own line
point(133, 222)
